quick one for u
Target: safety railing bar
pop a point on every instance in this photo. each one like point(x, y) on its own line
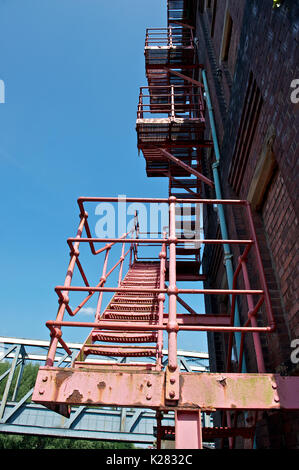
point(186, 91)
point(115, 266)
point(261, 271)
point(91, 240)
point(166, 200)
point(251, 314)
point(252, 309)
point(145, 327)
point(155, 87)
point(103, 278)
point(173, 28)
point(88, 233)
point(59, 289)
point(159, 241)
point(78, 308)
point(82, 272)
point(57, 334)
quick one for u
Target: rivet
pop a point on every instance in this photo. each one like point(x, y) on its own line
point(149, 383)
point(172, 380)
point(148, 396)
point(222, 381)
point(42, 391)
point(172, 394)
point(45, 379)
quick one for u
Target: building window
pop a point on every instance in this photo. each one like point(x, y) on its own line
point(214, 17)
point(264, 172)
point(246, 132)
point(227, 35)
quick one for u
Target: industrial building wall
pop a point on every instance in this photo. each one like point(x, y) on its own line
point(250, 53)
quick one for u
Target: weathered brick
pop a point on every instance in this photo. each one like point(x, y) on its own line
point(264, 44)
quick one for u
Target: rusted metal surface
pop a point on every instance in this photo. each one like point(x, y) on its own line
point(205, 391)
point(94, 387)
point(239, 391)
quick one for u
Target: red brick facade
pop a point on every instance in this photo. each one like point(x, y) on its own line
point(250, 53)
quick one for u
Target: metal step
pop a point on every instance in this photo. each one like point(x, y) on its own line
point(113, 336)
point(136, 316)
point(131, 307)
point(134, 307)
point(137, 282)
point(185, 196)
point(123, 351)
point(128, 299)
point(192, 183)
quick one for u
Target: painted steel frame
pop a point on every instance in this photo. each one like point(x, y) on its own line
point(21, 416)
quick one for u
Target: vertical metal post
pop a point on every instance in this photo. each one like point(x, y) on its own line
point(103, 279)
point(15, 393)
point(123, 415)
point(172, 101)
point(188, 430)
point(121, 264)
point(67, 283)
point(161, 299)
point(172, 326)
point(159, 422)
point(136, 231)
point(140, 106)
point(170, 37)
point(9, 381)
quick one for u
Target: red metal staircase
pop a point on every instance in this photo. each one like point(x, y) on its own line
point(124, 307)
point(120, 363)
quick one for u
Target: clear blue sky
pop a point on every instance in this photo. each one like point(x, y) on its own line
point(72, 71)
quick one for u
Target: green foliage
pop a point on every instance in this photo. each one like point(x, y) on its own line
point(10, 441)
point(20, 441)
point(27, 382)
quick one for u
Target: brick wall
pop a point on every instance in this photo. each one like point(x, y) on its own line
point(263, 49)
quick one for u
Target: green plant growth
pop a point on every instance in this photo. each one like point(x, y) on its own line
point(10, 441)
point(28, 379)
point(20, 441)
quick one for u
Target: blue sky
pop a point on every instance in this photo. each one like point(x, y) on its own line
point(72, 71)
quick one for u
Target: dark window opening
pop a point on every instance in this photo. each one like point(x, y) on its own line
point(214, 17)
point(227, 37)
point(246, 132)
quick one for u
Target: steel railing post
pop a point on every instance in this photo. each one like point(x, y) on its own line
point(68, 279)
point(172, 325)
point(161, 299)
point(103, 280)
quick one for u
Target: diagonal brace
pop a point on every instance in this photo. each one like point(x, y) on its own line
point(184, 77)
point(186, 167)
